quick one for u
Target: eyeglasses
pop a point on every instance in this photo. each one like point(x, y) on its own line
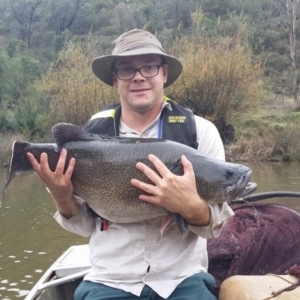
point(146, 71)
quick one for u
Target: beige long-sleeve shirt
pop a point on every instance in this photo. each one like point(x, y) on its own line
point(130, 256)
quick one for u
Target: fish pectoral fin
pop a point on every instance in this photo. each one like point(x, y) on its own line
point(177, 167)
point(166, 220)
point(181, 223)
point(66, 132)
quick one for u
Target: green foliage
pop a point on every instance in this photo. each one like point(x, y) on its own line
point(16, 76)
point(54, 21)
point(59, 41)
point(122, 18)
point(29, 46)
point(74, 92)
point(221, 79)
point(287, 143)
point(23, 71)
point(6, 87)
point(28, 118)
point(6, 119)
point(102, 17)
point(268, 134)
point(18, 71)
point(15, 47)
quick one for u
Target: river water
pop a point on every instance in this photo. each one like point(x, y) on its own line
point(30, 239)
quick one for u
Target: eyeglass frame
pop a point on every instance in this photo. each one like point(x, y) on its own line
point(139, 70)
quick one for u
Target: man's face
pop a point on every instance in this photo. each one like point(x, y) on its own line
point(139, 93)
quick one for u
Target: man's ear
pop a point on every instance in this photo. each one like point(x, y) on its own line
point(115, 82)
point(165, 72)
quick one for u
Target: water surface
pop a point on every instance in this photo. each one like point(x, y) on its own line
point(31, 240)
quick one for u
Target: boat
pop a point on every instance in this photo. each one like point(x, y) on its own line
point(62, 278)
point(270, 225)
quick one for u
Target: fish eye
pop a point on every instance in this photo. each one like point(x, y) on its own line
point(229, 173)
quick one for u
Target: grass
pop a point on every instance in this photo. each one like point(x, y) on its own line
point(269, 133)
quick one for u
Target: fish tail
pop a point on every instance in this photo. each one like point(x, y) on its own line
point(181, 223)
point(18, 163)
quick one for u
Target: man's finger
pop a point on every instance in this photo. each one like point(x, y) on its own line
point(159, 165)
point(146, 187)
point(187, 165)
point(60, 167)
point(44, 162)
point(34, 163)
point(70, 168)
point(152, 175)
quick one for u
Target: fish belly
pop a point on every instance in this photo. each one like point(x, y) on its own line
point(102, 179)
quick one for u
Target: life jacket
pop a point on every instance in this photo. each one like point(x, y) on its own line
point(176, 125)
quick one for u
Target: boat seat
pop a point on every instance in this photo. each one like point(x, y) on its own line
point(75, 260)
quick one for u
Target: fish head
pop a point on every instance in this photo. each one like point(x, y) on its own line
point(224, 181)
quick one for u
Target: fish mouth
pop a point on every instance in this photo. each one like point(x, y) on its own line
point(241, 188)
point(250, 188)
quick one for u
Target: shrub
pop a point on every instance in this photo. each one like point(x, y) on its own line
point(221, 79)
point(74, 92)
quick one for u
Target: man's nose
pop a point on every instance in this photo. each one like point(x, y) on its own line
point(138, 76)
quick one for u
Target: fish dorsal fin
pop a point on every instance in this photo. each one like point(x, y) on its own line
point(66, 132)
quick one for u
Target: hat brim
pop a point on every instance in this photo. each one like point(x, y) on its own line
point(102, 66)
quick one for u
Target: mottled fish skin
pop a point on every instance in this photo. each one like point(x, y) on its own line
point(105, 166)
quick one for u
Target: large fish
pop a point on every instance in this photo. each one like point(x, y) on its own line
point(105, 165)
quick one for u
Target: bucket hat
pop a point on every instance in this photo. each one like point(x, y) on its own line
point(134, 42)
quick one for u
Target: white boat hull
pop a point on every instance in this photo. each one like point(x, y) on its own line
point(62, 278)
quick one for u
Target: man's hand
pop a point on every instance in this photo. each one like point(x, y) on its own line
point(177, 194)
point(58, 183)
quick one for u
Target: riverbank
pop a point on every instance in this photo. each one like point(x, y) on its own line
point(270, 133)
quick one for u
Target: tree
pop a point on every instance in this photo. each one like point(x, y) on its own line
point(221, 80)
point(179, 14)
point(154, 12)
point(122, 18)
point(24, 13)
point(74, 93)
point(64, 14)
point(289, 10)
point(136, 8)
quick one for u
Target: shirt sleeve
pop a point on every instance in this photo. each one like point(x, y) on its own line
point(209, 140)
point(82, 223)
point(211, 145)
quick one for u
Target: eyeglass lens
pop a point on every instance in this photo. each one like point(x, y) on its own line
point(145, 71)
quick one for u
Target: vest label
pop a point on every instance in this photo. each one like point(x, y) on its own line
point(176, 119)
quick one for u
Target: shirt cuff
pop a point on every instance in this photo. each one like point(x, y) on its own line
point(81, 223)
point(220, 213)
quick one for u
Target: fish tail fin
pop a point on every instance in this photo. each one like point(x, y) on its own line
point(18, 164)
point(181, 223)
point(66, 132)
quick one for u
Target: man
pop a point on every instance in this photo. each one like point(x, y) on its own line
point(133, 261)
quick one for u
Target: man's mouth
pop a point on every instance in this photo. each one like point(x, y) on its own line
point(139, 90)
